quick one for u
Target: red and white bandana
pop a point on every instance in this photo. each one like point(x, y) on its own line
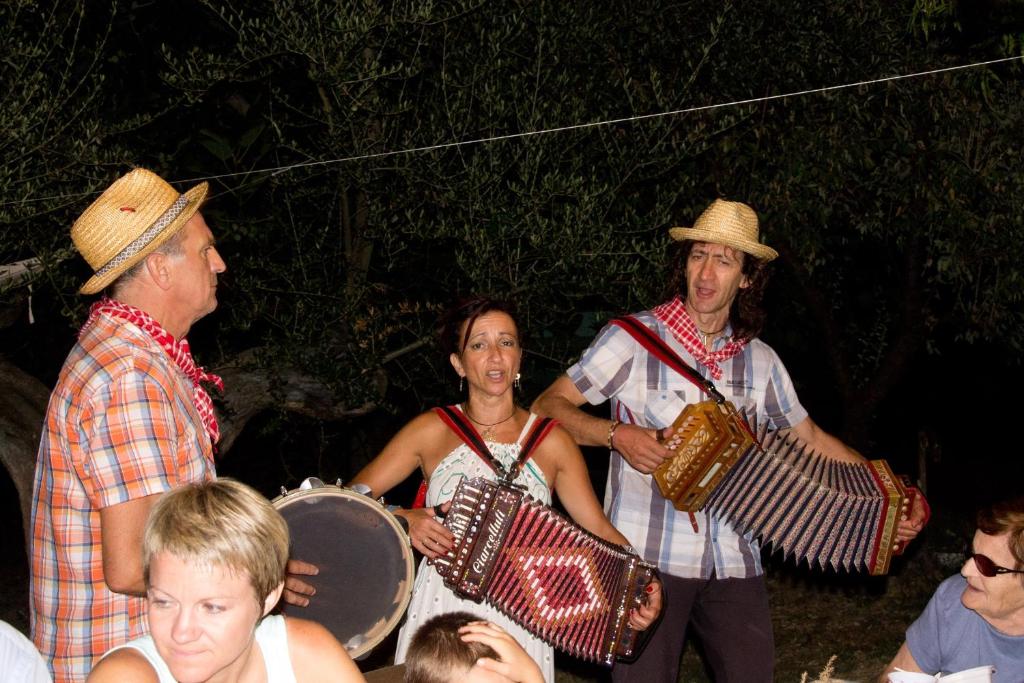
point(675, 316)
point(178, 350)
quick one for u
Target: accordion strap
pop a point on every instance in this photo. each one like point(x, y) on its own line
point(464, 429)
point(657, 347)
point(541, 428)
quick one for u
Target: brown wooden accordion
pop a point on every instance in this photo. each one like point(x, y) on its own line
point(810, 507)
point(561, 583)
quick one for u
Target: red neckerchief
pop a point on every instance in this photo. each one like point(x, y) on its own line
point(178, 350)
point(675, 316)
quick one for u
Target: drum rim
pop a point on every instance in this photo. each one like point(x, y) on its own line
point(333, 490)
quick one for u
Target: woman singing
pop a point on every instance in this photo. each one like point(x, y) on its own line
point(482, 339)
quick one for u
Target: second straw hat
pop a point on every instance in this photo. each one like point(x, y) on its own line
point(135, 215)
point(731, 223)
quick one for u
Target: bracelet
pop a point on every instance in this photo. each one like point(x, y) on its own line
point(611, 432)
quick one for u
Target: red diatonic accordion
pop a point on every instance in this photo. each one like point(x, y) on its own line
point(561, 583)
point(810, 507)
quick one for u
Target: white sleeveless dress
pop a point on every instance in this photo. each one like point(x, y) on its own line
point(430, 596)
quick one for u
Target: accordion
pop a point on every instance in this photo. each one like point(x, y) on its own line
point(561, 583)
point(810, 507)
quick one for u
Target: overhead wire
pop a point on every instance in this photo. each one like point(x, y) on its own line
point(278, 170)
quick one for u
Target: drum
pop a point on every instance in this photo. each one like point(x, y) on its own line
point(364, 557)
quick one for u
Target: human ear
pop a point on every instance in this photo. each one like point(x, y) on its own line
point(457, 364)
point(158, 267)
point(271, 600)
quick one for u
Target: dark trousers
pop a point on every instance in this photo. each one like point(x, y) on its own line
point(731, 618)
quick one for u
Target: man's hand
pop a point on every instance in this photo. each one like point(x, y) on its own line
point(427, 533)
point(911, 526)
point(296, 591)
point(641, 618)
point(640, 446)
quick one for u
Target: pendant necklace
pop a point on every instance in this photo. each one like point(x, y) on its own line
point(706, 337)
point(488, 431)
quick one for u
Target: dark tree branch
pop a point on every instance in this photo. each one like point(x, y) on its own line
point(904, 344)
point(23, 401)
point(250, 390)
point(823, 311)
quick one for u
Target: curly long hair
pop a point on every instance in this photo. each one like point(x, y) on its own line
point(746, 314)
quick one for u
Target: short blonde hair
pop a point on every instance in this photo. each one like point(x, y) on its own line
point(220, 523)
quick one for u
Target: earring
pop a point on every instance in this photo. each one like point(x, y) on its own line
point(516, 381)
point(460, 383)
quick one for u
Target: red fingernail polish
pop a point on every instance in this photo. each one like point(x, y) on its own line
point(650, 588)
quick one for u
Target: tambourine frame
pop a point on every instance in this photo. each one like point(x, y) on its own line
point(384, 525)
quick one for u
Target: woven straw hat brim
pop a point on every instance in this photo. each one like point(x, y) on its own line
point(194, 198)
point(755, 249)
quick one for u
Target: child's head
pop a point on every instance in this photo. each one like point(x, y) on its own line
point(438, 654)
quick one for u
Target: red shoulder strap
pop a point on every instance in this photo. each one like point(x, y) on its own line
point(541, 428)
point(467, 433)
point(657, 347)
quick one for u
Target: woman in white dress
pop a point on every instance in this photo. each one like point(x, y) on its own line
point(482, 340)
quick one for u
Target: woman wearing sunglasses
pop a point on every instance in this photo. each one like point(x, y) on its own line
point(977, 617)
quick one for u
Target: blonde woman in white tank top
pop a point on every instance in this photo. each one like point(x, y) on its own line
point(214, 557)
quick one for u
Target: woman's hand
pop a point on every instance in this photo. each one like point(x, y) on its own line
point(641, 618)
point(426, 532)
point(514, 665)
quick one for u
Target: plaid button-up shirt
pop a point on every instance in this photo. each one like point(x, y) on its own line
point(120, 425)
point(645, 392)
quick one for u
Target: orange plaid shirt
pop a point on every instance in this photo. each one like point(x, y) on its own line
point(120, 425)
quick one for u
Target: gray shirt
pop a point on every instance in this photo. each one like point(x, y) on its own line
point(948, 637)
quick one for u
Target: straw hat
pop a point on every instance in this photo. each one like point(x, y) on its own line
point(135, 215)
point(733, 224)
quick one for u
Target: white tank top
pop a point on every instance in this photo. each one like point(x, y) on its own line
point(271, 636)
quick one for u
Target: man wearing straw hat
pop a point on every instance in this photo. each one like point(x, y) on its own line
point(711, 317)
point(128, 419)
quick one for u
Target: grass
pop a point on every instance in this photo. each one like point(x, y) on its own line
point(851, 623)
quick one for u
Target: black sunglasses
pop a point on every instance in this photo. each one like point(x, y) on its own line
point(989, 568)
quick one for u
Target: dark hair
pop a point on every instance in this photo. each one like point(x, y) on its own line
point(467, 311)
point(1006, 517)
point(745, 315)
point(437, 652)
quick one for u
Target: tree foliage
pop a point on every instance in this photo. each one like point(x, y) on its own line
point(896, 206)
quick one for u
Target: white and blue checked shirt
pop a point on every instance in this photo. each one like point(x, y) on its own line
point(646, 392)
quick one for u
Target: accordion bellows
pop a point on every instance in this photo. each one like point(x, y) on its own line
point(561, 583)
point(809, 507)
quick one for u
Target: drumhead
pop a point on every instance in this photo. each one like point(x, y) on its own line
point(365, 561)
